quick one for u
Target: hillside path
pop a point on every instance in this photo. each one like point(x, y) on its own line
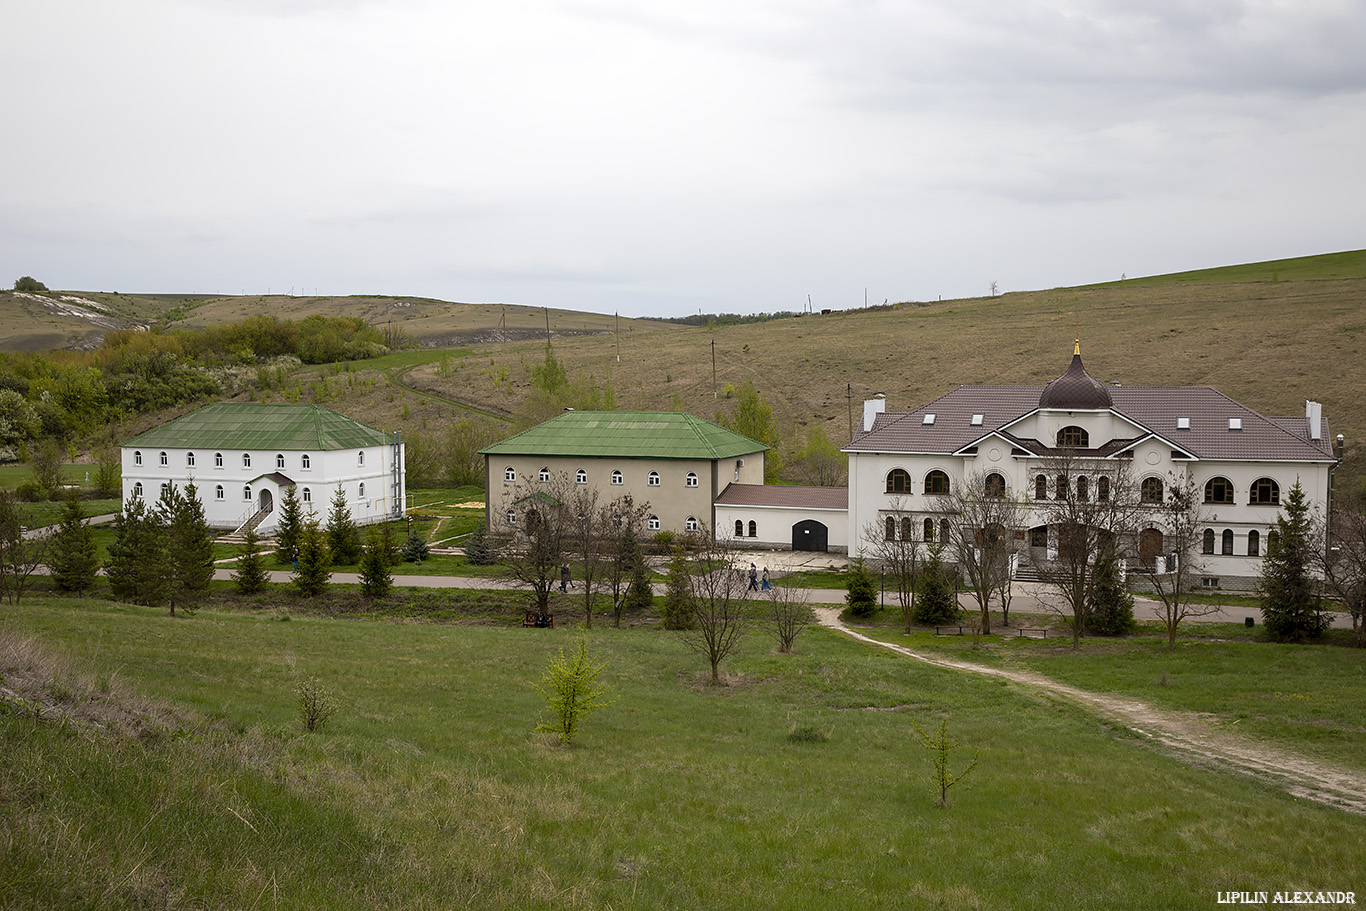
point(1187, 734)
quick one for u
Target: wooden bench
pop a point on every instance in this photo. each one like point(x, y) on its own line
point(948, 630)
point(1028, 632)
point(530, 619)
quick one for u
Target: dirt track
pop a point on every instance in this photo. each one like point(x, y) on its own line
point(1192, 736)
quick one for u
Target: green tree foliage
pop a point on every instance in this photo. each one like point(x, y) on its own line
point(415, 548)
point(819, 463)
point(570, 687)
point(940, 745)
point(290, 524)
point(73, 558)
point(316, 704)
point(860, 590)
point(108, 470)
point(479, 549)
point(549, 377)
point(1112, 607)
point(451, 459)
point(189, 549)
point(375, 579)
point(678, 595)
point(250, 575)
point(315, 563)
point(18, 422)
point(752, 416)
point(137, 566)
point(1291, 608)
point(937, 601)
point(343, 537)
point(29, 284)
point(19, 556)
point(46, 460)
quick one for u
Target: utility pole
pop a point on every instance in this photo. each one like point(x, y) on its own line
point(547, 324)
point(849, 398)
point(618, 317)
point(713, 368)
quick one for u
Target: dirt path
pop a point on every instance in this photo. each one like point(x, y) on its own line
point(1192, 736)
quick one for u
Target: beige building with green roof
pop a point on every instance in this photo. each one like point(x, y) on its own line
point(676, 462)
point(243, 457)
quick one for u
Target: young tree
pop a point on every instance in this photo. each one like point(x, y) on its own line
point(587, 537)
point(415, 549)
point(539, 544)
point(189, 546)
point(570, 686)
point(678, 593)
point(250, 574)
point(1112, 607)
point(860, 592)
point(108, 470)
point(894, 547)
point(1343, 562)
point(982, 536)
point(375, 580)
point(753, 417)
point(820, 463)
point(1180, 519)
point(289, 526)
point(624, 562)
point(343, 537)
point(720, 600)
point(479, 549)
point(19, 556)
point(46, 460)
point(789, 612)
point(138, 562)
point(315, 563)
point(937, 604)
point(1291, 608)
point(73, 558)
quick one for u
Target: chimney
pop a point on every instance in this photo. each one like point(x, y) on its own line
point(1337, 450)
point(871, 409)
point(1314, 412)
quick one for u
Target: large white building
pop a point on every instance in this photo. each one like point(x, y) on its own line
point(1010, 438)
point(241, 458)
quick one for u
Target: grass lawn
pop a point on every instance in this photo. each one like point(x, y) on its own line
point(430, 787)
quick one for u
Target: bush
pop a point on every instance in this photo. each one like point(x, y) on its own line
point(316, 704)
point(30, 491)
point(29, 283)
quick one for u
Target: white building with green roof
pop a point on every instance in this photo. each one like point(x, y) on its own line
point(676, 462)
point(243, 457)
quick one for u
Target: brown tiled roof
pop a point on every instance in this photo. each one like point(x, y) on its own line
point(784, 495)
point(1152, 408)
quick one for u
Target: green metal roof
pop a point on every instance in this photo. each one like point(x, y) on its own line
point(282, 427)
point(629, 435)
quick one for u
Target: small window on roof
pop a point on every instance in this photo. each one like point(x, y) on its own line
point(928, 418)
point(977, 419)
point(1235, 423)
point(1183, 423)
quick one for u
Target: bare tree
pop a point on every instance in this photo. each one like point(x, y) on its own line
point(539, 541)
point(1179, 518)
point(720, 602)
point(893, 545)
point(20, 554)
point(1091, 516)
point(1342, 562)
point(982, 536)
point(789, 612)
point(624, 520)
point(587, 535)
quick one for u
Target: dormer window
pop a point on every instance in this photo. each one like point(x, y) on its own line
point(1183, 423)
point(1235, 423)
point(928, 418)
point(977, 419)
point(1073, 437)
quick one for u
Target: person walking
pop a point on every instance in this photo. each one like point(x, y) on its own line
point(564, 577)
point(753, 578)
point(764, 586)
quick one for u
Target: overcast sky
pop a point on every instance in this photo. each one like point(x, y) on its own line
point(659, 157)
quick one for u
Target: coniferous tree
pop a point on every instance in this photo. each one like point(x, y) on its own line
point(250, 575)
point(415, 548)
point(860, 592)
point(137, 567)
point(343, 537)
point(189, 548)
point(678, 596)
point(315, 563)
point(1290, 601)
point(288, 528)
point(937, 602)
point(479, 549)
point(73, 558)
point(375, 580)
point(1112, 607)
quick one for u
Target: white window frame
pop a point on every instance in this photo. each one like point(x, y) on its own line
point(581, 477)
point(219, 493)
point(280, 460)
point(246, 492)
point(652, 480)
point(305, 462)
point(218, 460)
point(189, 460)
point(308, 495)
point(509, 476)
point(690, 480)
point(544, 475)
point(165, 459)
point(246, 460)
point(690, 524)
point(652, 523)
point(618, 478)
point(137, 456)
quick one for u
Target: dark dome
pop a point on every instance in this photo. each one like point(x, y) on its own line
point(1075, 390)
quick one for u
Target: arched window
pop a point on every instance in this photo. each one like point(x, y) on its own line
point(246, 460)
point(1254, 544)
point(544, 475)
point(511, 516)
point(1060, 487)
point(1150, 491)
point(509, 474)
point(898, 481)
point(890, 533)
point(165, 489)
point(1273, 541)
point(581, 477)
point(1265, 491)
point(1228, 542)
point(137, 491)
point(218, 493)
point(1041, 488)
point(360, 458)
point(304, 462)
point(1073, 437)
point(944, 531)
point(189, 460)
point(653, 523)
point(280, 460)
point(1103, 489)
point(653, 479)
point(308, 495)
point(936, 482)
point(906, 528)
point(246, 491)
point(1207, 545)
point(617, 479)
point(164, 459)
point(994, 485)
point(929, 530)
point(690, 524)
point(218, 460)
point(1083, 489)
point(690, 480)
point(137, 457)
point(1218, 490)
point(360, 494)
point(739, 529)
point(753, 529)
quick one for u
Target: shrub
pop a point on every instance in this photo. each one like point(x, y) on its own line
point(30, 284)
point(570, 686)
point(30, 491)
point(678, 597)
point(316, 704)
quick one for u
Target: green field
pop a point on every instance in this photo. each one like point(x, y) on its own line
point(430, 789)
